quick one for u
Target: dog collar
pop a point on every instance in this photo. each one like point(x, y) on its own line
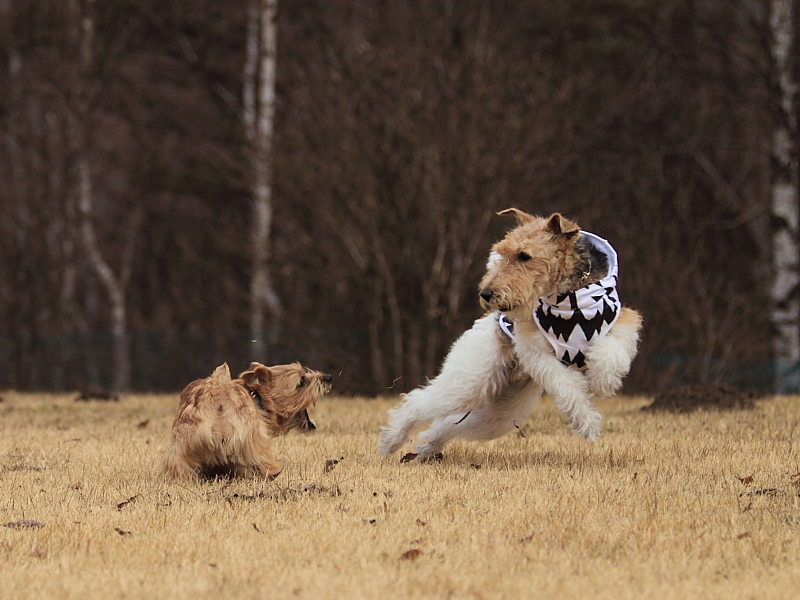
point(257, 399)
point(570, 321)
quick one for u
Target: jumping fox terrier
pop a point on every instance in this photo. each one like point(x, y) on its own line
point(554, 325)
point(223, 426)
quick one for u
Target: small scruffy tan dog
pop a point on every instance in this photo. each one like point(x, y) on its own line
point(223, 426)
point(555, 325)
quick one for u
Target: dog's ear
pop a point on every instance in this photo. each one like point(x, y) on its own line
point(257, 376)
point(559, 225)
point(522, 216)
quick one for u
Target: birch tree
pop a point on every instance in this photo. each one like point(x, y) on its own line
point(784, 203)
point(83, 20)
point(258, 102)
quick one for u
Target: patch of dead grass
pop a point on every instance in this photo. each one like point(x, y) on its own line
point(664, 505)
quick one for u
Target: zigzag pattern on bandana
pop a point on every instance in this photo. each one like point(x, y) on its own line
point(570, 321)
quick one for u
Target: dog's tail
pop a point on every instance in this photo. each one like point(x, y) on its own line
point(221, 382)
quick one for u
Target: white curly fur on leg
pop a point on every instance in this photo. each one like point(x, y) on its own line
point(487, 421)
point(609, 358)
point(468, 377)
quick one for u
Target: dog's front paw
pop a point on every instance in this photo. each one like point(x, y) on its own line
point(588, 426)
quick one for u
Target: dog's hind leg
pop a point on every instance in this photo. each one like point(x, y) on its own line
point(472, 372)
point(488, 421)
point(176, 467)
point(609, 358)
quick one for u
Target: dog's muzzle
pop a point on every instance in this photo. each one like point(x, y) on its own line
point(327, 382)
point(487, 296)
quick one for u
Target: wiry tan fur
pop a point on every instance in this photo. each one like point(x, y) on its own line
point(489, 382)
point(555, 265)
point(220, 430)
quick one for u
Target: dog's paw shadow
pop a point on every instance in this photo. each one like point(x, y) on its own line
point(412, 456)
point(581, 458)
point(291, 493)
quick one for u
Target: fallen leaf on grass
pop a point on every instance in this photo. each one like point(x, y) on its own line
point(369, 521)
point(408, 457)
point(255, 526)
point(24, 524)
point(75, 486)
point(122, 531)
point(421, 523)
point(412, 554)
point(475, 466)
point(746, 480)
point(331, 463)
point(143, 424)
point(130, 500)
point(746, 534)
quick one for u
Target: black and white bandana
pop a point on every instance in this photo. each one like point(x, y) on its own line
point(570, 321)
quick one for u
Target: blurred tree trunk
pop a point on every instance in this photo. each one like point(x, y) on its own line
point(784, 202)
point(17, 224)
point(258, 102)
point(83, 20)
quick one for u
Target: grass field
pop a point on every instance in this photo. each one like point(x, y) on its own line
point(664, 506)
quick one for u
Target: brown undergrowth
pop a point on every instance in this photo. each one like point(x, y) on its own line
point(663, 505)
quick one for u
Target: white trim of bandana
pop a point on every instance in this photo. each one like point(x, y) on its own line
point(570, 321)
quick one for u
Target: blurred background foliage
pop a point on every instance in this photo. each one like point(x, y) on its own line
point(401, 127)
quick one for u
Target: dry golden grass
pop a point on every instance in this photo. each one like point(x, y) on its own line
point(663, 506)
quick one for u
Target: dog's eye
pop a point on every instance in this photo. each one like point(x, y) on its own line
point(303, 382)
point(523, 257)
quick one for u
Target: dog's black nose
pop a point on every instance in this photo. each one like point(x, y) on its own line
point(487, 294)
point(327, 378)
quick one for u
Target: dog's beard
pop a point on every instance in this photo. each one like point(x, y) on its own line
point(504, 305)
point(299, 420)
point(498, 301)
